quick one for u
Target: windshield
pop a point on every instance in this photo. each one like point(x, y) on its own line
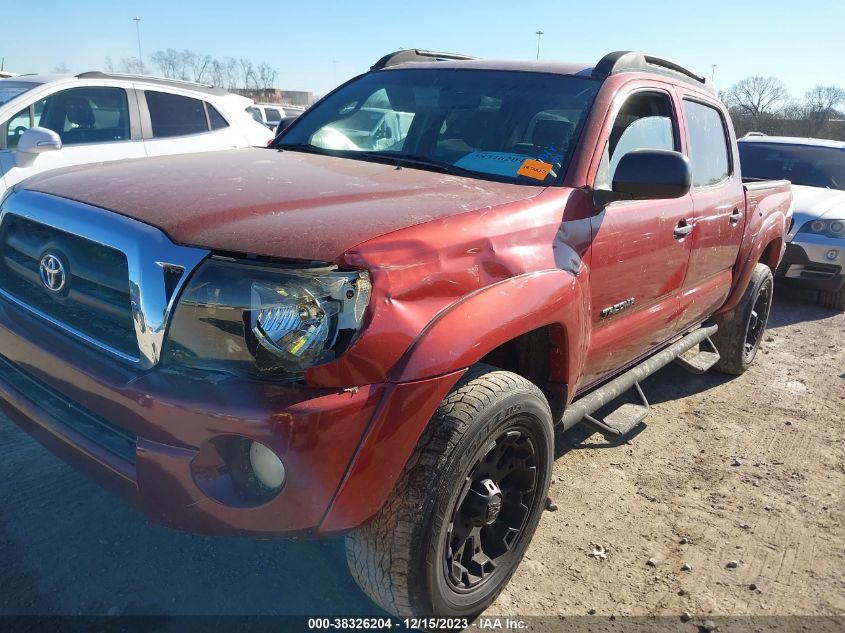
point(809, 165)
point(502, 125)
point(11, 89)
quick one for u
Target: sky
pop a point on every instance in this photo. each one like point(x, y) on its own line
point(315, 45)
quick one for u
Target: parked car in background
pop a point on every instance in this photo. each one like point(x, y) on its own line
point(815, 252)
point(50, 121)
point(271, 114)
point(379, 343)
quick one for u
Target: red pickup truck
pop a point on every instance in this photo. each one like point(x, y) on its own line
point(377, 336)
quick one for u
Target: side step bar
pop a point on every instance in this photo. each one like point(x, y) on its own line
point(623, 420)
point(702, 361)
point(594, 400)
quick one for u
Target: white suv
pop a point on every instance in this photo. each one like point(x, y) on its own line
point(50, 121)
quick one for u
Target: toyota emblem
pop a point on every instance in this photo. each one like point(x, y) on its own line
point(52, 272)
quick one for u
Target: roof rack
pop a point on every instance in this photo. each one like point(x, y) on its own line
point(166, 81)
point(630, 61)
point(416, 55)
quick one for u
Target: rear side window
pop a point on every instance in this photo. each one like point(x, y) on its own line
point(175, 115)
point(273, 115)
point(708, 144)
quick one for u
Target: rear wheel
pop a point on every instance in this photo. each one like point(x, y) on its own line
point(741, 330)
point(835, 300)
point(464, 510)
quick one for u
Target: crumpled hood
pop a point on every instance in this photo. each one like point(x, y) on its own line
point(280, 204)
point(814, 203)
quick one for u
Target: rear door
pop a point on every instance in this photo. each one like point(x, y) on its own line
point(719, 209)
point(180, 124)
point(639, 260)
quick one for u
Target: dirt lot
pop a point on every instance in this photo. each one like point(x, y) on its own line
point(750, 469)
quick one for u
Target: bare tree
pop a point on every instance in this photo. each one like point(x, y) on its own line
point(200, 66)
point(61, 69)
point(248, 74)
point(759, 97)
point(109, 65)
point(821, 103)
point(168, 62)
point(266, 76)
point(132, 66)
point(227, 73)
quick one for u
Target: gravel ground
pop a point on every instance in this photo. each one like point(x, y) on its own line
point(747, 470)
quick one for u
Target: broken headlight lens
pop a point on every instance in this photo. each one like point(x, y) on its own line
point(264, 320)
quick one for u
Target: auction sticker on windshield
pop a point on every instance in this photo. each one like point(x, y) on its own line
point(498, 163)
point(536, 169)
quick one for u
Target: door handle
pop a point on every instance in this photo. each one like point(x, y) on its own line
point(736, 216)
point(683, 229)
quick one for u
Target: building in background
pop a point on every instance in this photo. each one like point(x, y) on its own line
point(276, 95)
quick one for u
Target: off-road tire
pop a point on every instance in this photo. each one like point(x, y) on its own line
point(399, 558)
point(833, 300)
point(730, 340)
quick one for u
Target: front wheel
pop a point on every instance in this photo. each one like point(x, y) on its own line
point(741, 330)
point(466, 506)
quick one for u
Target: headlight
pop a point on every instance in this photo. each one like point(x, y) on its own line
point(265, 320)
point(829, 228)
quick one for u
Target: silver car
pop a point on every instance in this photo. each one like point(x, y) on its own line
point(815, 252)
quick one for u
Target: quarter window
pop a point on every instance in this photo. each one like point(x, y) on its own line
point(215, 118)
point(17, 125)
point(708, 144)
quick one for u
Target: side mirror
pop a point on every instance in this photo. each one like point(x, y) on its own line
point(35, 141)
point(648, 174)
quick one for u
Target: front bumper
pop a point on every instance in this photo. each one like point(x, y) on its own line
point(147, 435)
point(806, 263)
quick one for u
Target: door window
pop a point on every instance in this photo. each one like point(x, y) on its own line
point(86, 115)
point(709, 154)
point(273, 115)
point(646, 121)
point(175, 115)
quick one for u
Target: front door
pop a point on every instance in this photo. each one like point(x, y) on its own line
point(639, 256)
point(95, 123)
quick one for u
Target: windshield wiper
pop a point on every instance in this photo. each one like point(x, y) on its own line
point(305, 147)
point(413, 160)
point(400, 160)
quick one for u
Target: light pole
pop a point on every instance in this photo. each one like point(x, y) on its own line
point(538, 34)
point(713, 74)
point(137, 22)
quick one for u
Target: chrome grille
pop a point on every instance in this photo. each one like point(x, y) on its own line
point(107, 279)
point(96, 301)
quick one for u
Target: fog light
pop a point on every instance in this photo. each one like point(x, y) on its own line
point(268, 468)
point(832, 254)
